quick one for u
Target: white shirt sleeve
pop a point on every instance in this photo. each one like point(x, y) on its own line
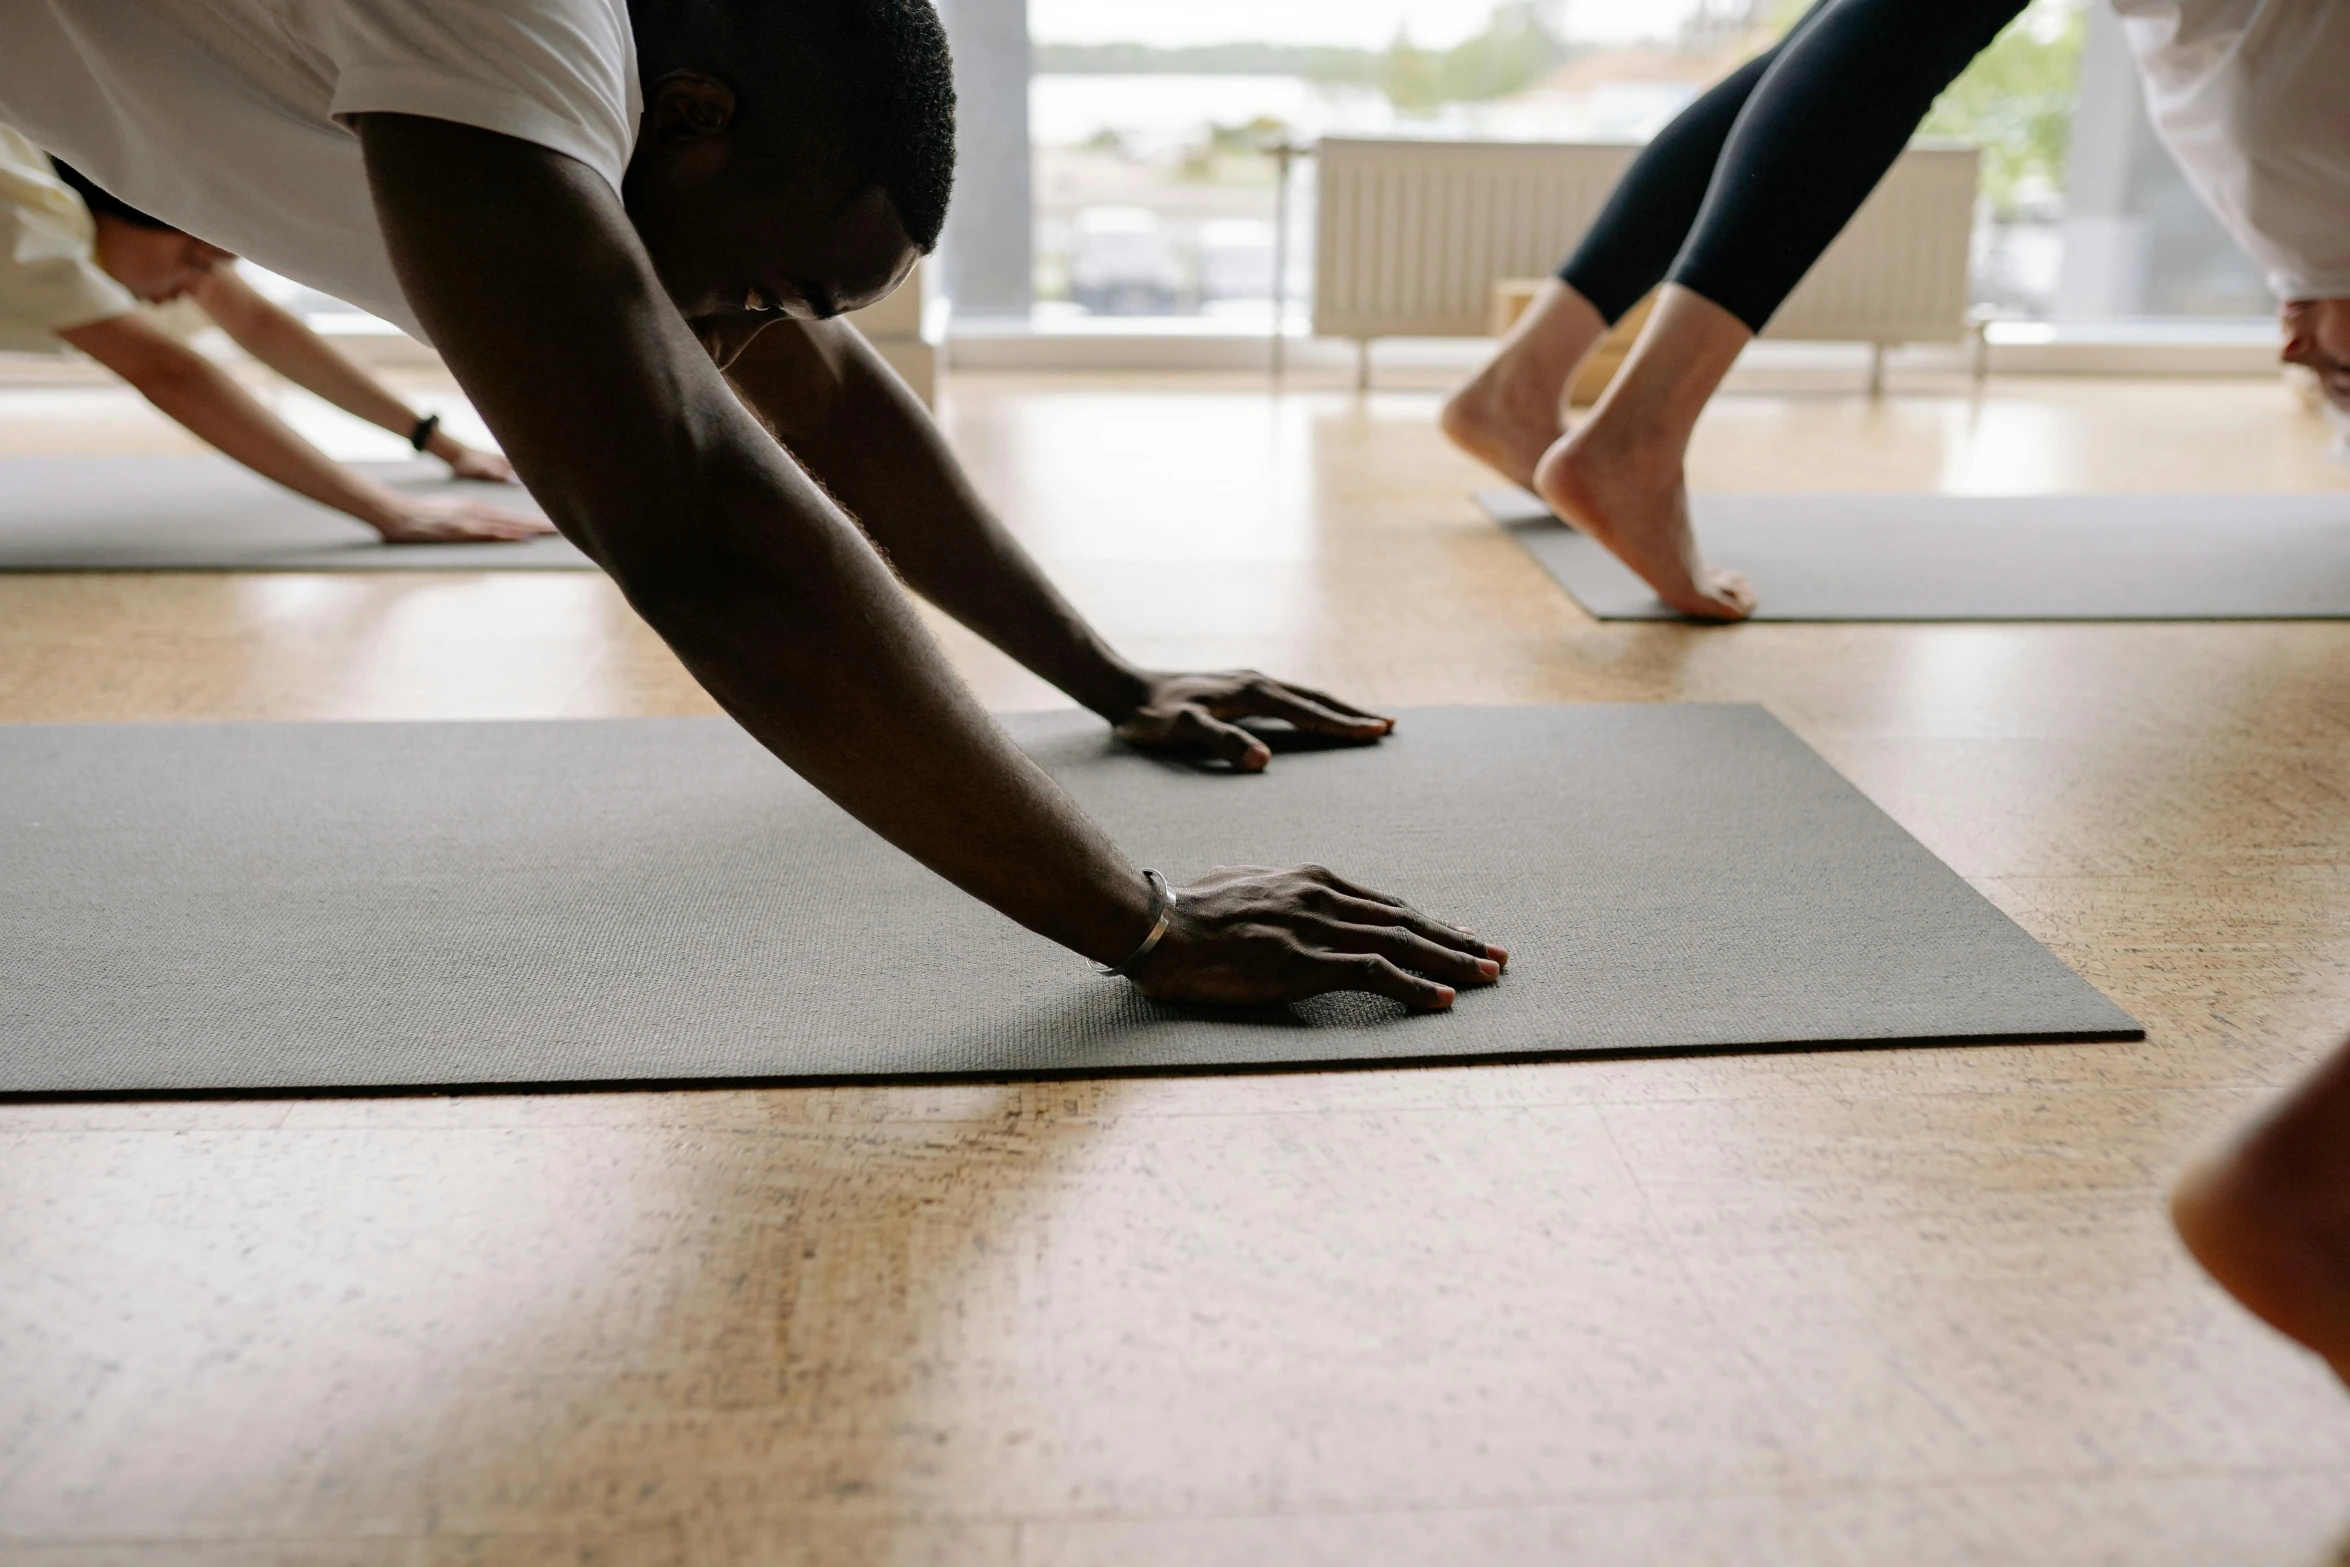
point(50, 280)
point(2253, 99)
point(557, 73)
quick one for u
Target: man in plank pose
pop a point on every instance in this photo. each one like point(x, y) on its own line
point(593, 209)
point(76, 264)
point(1729, 206)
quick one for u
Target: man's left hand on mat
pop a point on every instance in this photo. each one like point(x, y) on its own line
point(1194, 715)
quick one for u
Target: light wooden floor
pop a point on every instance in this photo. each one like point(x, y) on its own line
point(1890, 1307)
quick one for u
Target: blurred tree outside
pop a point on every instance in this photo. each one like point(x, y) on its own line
point(2016, 103)
point(1235, 154)
point(1517, 48)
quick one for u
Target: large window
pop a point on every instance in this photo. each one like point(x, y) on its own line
point(1151, 189)
point(1154, 126)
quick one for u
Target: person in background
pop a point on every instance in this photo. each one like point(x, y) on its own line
point(75, 266)
point(1730, 204)
point(2248, 96)
point(1722, 214)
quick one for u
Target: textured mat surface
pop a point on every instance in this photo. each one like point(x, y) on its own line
point(1970, 557)
point(208, 514)
point(249, 906)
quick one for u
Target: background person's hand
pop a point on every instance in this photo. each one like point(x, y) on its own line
point(434, 520)
point(1193, 714)
point(1247, 935)
point(470, 462)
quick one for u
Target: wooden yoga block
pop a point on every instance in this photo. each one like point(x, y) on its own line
point(1512, 295)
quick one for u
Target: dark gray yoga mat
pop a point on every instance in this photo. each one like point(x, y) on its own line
point(1971, 557)
point(208, 514)
point(258, 906)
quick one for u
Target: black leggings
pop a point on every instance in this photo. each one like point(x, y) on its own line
point(1739, 195)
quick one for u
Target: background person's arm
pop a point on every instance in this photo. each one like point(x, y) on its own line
point(522, 266)
point(209, 402)
point(838, 406)
point(280, 340)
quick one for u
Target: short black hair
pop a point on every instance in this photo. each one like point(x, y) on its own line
point(898, 90)
point(101, 203)
point(881, 69)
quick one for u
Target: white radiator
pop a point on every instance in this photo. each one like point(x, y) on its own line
point(1412, 235)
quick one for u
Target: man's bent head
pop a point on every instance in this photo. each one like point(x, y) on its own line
point(795, 156)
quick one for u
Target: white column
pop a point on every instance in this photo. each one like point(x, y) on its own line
point(2105, 243)
point(986, 251)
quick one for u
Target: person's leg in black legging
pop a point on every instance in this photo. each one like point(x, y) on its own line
point(1820, 124)
point(1820, 130)
point(1511, 412)
point(1647, 217)
point(1821, 127)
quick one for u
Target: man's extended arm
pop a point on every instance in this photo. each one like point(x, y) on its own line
point(279, 339)
point(522, 267)
point(833, 400)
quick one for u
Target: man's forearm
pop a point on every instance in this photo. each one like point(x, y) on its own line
point(209, 402)
point(274, 336)
point(835, 403)
point(800, 633)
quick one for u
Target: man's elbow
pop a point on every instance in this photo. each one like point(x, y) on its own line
point(702, 592)
point(675, 579)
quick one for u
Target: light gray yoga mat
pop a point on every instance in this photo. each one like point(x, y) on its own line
point(259, 906)
point(208, 514)
point(1969, 557)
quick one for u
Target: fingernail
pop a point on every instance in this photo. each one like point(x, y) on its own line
point(1488, 968)
point(1444, 995)
point(1497, 954)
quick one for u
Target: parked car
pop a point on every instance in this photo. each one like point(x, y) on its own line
point(1121, 262)
point(1235, 260)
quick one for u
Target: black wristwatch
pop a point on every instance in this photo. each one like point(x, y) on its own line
point(421, 436)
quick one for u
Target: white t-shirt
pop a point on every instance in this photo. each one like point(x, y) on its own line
point(227, 118)
point(50, 280)
point(2253, 98)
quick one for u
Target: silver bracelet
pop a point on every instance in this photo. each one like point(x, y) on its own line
point(1163, 915)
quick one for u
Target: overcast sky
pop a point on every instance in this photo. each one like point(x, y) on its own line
point(1363, 23)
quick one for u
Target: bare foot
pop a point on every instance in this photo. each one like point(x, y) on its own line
point(1510, 412)
point(1506, 417)
point(1634, 500)
point(437, 521)
point(2269, 1218)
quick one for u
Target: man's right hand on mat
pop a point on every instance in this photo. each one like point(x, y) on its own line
point(439, 521)
point(1249, 935)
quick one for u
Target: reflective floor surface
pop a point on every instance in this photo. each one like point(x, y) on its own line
point(1889, 1306)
